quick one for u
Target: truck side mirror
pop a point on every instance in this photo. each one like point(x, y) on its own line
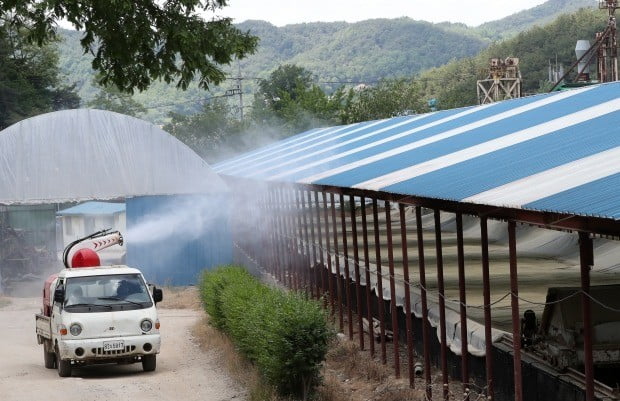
point(59, 295)
point(158, 295)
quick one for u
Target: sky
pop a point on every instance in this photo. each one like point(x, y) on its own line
point(283, 12)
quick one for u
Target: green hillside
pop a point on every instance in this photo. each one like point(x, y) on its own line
point(364, 51)
point(454, 84)
point(536, 16)
point(337, 52)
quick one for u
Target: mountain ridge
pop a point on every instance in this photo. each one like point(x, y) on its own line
point(336, 52)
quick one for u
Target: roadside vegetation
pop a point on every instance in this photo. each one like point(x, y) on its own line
point(285, 335)
point(4, 302)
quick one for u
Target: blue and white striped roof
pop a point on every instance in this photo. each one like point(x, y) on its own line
point(555, 152)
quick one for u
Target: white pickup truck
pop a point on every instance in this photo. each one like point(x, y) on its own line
point(98, 314)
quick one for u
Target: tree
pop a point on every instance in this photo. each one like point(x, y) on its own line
point(112, 99)
point(29, 79)
point(288, 81)
point(137, 41)
point(290, 100)
point(390, 98)
point(210, 133)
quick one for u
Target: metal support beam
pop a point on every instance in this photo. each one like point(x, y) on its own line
point(393, 308)
point(315, 265)
point(347, 273)
point(356, 259)
point(586, 258)
point(330, 282)
point(380, 302)
point(308, 263)
point(369, 314)
point(408, 323)
point(423, 293)
point(321, 270)
point(514, 301)
point(486, 295)
point(462, 306)
point(442, 305)
point(337, 257)
point(299, 241)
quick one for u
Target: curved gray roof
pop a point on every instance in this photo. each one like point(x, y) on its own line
point(82, 154)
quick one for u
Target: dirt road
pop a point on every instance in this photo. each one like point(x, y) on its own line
point(184, 372)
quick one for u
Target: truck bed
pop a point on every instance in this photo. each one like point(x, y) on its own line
point(43, 326)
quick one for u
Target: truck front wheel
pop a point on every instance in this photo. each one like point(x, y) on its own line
point(149, 363)
point(64, 367)
point(49, 358)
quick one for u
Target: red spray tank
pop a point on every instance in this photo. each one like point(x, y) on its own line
point(81, 253)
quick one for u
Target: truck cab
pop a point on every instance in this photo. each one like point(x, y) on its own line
point(98, 314)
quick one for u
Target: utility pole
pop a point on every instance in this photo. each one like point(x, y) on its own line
point(237, 89)
point(239, 83)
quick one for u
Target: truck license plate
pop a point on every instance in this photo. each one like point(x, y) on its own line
point(113, 345)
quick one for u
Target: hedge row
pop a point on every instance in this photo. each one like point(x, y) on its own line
point(284, 334)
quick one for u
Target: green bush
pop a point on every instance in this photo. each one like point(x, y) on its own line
point(211, 285)
point(284, 334)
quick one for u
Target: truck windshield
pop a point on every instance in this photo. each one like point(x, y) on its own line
point(106, 293)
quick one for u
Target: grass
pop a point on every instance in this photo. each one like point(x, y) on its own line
point(353, 375)
point(4, 302)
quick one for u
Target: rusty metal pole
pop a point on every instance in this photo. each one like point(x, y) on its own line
point(486, 294)
point(270, 233)
point(338, 278)
point(463, 303)
point(347, 274)
point(442, 305)
point(356, 260)
point(408, 323)
point(263, 229)
point(371, 340)
point(289, 233)
point(393, 306)
point(277, 217)
point(586, 258)
point(280, 232)
point(308, 263)
point(425, 323)
point(330, 282)
point(380, 301)
point(321, 270)
point(299, 241)
point(514, 301)
point(314, 266)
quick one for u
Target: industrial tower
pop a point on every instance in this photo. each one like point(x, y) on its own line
point(502, 82)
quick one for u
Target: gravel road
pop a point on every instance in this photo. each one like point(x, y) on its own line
point(184, 371)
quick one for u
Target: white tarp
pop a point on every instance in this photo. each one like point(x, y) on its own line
point(75, 155)
point(476, 344)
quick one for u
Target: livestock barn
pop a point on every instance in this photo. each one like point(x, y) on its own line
point(481, 240)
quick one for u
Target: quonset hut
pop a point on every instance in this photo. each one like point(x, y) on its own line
point(446, 227)
point(56, 160)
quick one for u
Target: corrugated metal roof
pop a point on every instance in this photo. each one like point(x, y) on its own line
point(93, 208)
point(556, 152)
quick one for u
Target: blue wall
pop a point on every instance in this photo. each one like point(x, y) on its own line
point(173, 238)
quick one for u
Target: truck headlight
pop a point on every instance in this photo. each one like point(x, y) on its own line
point(146, 325)
point(75, 329)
